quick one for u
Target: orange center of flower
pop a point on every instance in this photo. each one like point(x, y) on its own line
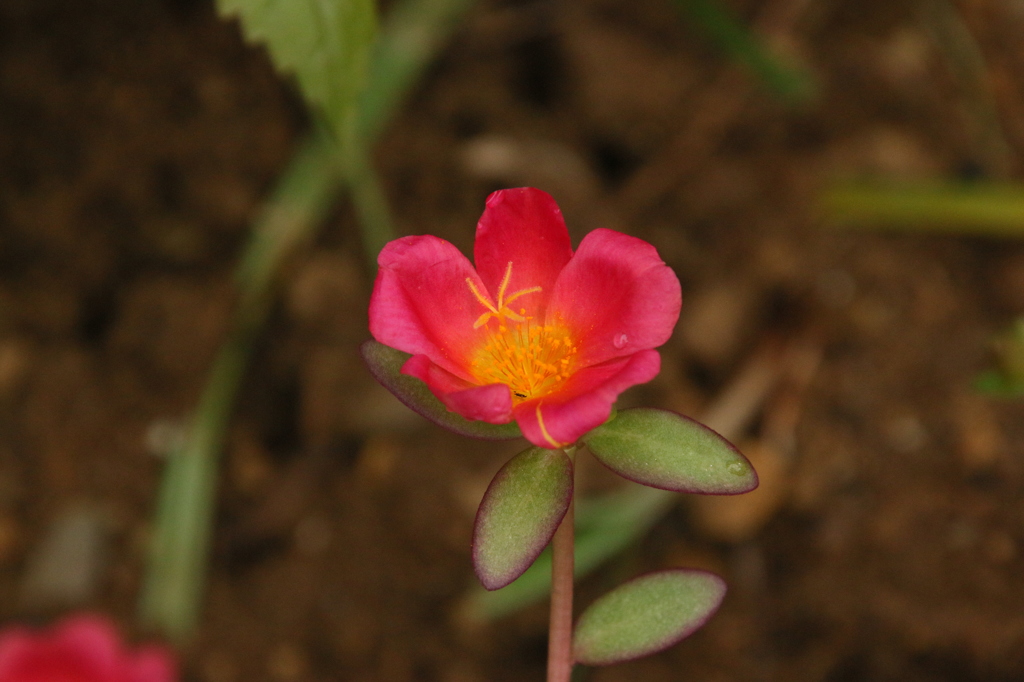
point(531, 359)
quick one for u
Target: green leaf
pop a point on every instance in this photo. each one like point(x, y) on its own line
point(325, 43)
point(666, 450)
point(519, 514)
point(646, 615)
point(605, 526)
point(998, 384)
point(385, 363)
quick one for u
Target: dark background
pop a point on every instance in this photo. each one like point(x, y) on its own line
point(136, 141)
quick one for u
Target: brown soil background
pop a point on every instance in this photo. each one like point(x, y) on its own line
point(136, 141)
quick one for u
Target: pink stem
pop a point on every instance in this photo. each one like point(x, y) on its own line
point(560, 626)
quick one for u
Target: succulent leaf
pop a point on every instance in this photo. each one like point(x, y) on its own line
point(519, 514)
point(666, 450)
point(646, 615)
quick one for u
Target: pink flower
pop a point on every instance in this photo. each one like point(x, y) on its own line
point(83, 648)
point(534, 333)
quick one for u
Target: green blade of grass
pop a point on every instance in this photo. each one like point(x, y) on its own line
point(175, 578)
point(785, 81)
point(413, 33)
point(985, 209)
point(176, 571)
point(973, 80)
point(1006, 378)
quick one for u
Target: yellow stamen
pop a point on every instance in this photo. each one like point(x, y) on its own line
point(483, 301)
point(531, 359)
point(504, 283)
point(521, 292)
point(502, 310)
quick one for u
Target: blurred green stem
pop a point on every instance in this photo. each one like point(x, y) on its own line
point(414, 32)
point(1006, 379)
point(990, 209)
point(785, 81)
point(174, 582)
point(967, 64)
point(371, 206)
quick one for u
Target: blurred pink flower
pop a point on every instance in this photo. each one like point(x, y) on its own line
point(83, 648)
point(533, 332)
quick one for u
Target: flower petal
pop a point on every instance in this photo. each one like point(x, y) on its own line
point(92, 641)
point(385, 364)
point(85, 648)
point(560, 419)
point(491, 403)
point(152, 664)
point(80, 647)
point(421, 301)
point(16, 645)
point(617, 296)
point(523, 226)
